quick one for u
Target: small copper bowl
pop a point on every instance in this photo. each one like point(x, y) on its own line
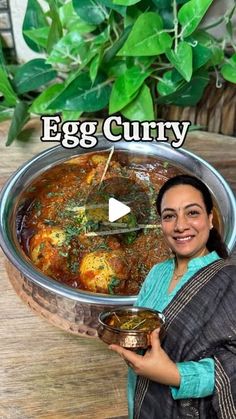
point(131, 338)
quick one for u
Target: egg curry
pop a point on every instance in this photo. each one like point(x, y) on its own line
point(63, 227)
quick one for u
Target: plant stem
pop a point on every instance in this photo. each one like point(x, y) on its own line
point(164, 67)
point(218, 81)
point(115, 32)
point(175, 24)
point(156, 78)
point(212, 25)
point(167, 30)
point(227, 16)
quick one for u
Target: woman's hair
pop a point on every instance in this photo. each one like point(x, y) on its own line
point(215, 241)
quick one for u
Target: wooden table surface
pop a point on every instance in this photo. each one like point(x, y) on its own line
point(47, 373)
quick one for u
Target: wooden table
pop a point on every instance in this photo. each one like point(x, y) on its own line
point(48, 373)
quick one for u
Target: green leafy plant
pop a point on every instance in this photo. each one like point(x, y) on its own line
point(114, 56)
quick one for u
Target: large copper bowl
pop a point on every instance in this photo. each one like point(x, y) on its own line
point(75, 310)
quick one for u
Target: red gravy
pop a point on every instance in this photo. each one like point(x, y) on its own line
point(61, 230)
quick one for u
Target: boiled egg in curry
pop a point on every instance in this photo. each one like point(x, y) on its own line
point(104, 272)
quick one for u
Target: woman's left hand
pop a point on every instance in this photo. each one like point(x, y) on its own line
point(154, 365)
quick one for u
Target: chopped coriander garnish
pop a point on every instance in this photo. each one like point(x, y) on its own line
point(101, 246)
point(72, 231)
point(91, 225)
point(74, 267)
point(112, 284)
point(41, 246)
point(63, 254)
point(75, 252)
point(51, 194)
point(37, 205)
point(31, 189)
point(49, 222)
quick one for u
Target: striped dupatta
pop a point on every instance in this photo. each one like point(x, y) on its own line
point(200, 323)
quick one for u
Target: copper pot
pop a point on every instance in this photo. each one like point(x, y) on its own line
point(130, 339)
point(76, 310)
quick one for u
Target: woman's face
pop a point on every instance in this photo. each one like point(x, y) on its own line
point(185, 222)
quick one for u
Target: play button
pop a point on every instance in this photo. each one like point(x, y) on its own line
point(116, 210)
point(117, 198)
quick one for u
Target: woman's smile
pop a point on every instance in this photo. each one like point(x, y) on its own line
point(182, 239)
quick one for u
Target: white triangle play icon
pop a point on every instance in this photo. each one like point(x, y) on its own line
point(117, 210)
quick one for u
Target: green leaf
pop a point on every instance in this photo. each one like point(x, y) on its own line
point(42, 103)
point(147, 5)
point(32, 75)
point(132, 14)
point(101, 38)
point(92, 11)
point(167, 17)
point(170, 82)
point(5, 113)
point(162, 4)
point(142, 62)
point(141, 108)
point(94, 66)
point(71, 116)
point(118, 7)
point(147, 37)
point(38, 36)
point(20, 117)
point(126, 87)
point(70, 49)
point(83, 95)
point(208, 41)
point(165, 9)
point(126, 2)
point(69, 19)
point(191, 14)
point(167, 4)
point(34, 19)
point(11, 69)
point(201, 55)
point(229, 24)
point(67, 15)
point(111, 52)
point(182, 59)
point(56, 30)
point(217, 55)
point(6, 89)
point(188, 94)
point(228, 70)
point(74, 51)
point(231, 12)
point(116, 67)
point(229, 28)
point(2, 58)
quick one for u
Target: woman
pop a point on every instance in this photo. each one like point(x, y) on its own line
point(192, 374)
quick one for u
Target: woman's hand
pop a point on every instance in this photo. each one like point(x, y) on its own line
point(154, 365)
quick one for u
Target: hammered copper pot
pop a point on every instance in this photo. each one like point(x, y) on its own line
point(74, 310)
point(130, 339)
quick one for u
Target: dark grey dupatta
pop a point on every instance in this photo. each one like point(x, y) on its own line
point(203, 314)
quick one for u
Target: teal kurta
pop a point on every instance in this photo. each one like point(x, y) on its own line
point(197, 378)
